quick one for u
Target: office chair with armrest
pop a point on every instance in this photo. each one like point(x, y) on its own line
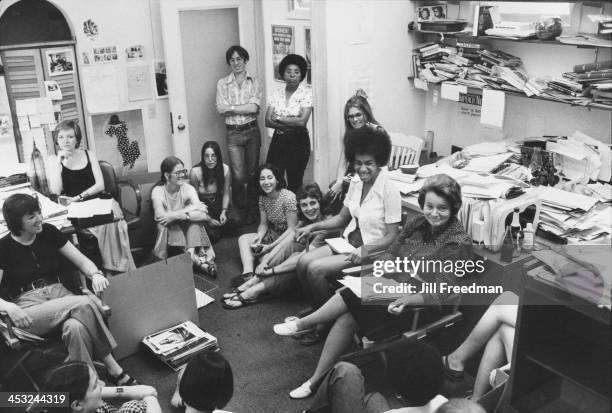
point(50, 347)
point(405, 150)
point(418, 329)
point(113, 186)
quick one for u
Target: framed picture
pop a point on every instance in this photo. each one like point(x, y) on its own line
point(59, 61)
point(299, 9)
point(429, 13)
point(161, 85)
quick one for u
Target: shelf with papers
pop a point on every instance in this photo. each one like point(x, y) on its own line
point(522, 95)
point(468, 37)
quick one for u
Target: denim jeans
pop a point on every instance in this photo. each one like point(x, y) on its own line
point(243, 149)
point(343, 391)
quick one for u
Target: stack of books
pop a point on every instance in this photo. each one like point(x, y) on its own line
point(176, 345)
point(499, 58)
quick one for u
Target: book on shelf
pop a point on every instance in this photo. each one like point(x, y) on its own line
point(595, 75)
point(175, 345)
point(499, 58)
point(588, 67)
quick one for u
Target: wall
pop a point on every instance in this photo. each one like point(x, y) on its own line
point(367, 46)
point(122, 24)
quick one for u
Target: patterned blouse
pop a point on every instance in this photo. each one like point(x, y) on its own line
point(133, 406)
point(418, 241)
point(278, 209)
point(301, 98)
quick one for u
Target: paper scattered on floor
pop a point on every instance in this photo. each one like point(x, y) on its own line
point(202, 299)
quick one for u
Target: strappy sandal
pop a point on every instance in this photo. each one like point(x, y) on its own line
point(238, 299)
point(450, 374)
point(231, 294)
point(123, 379)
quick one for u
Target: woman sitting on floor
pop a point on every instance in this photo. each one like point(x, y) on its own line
point(211, 179)
point(30, 257)
point(75, 174)
point(88, 394)
point(495, 332)
point(205, 384)
point(275, 272)
point(278, 219)
point(372, 210)
point(180, 218)
point(436, 235)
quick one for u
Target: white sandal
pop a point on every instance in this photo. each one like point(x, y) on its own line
point(301, 392)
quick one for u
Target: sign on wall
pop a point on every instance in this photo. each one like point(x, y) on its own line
point(283, 43)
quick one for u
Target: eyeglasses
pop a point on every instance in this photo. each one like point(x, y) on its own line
point(181, 172)
point(356, 116)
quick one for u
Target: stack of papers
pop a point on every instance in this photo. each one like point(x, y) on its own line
point(88, 209)
point(487, 163)
point(565, 200)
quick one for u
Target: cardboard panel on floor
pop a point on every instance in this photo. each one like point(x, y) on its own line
point(149, 299)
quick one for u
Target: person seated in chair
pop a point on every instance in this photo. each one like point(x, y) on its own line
point(435, 235)
point(30, 257)
point(205, 384)
point(275, 273)
point(75, 175)
point(88, 394)
point(180, 217)
point(408, 373)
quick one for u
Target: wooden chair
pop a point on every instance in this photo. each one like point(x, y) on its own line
point(50, 347)
point(404, 150)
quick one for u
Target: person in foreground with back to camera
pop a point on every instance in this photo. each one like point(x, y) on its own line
point(437, 235)
point(180, 218)
point(239, 100)
point(30, 257)
point(205, 384)
point(75, 175)
point(357, 114)
point(278, 219)
point(88, 394)
point(372, 210)
point(211, 179)
point(288, 112)
point(275, 273)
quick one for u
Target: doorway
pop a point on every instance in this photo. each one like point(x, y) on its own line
point(205, 36)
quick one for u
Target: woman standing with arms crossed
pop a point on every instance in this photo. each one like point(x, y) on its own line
point(288, 112)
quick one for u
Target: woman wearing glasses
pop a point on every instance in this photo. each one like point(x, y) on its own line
point(180, 217)
point(357, 114)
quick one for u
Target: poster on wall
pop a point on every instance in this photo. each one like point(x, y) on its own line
point(119, 140)
point(100, 87)
point(135, 52)
point(105, 54)
point(139, 82)
point(308, 53)
point(161, 85)
point(59, 61)
point(282, 45)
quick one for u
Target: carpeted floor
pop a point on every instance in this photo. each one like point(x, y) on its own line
point(266, 367)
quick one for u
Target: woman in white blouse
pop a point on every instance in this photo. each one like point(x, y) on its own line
point(372, 209)
point(288, 112)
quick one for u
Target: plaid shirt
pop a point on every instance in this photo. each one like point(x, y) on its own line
point(133, 406)
point(229, 93)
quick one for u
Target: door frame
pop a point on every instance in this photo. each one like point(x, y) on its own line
point(170, 10)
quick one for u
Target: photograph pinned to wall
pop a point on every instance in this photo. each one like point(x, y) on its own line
point(119, 140)
point(299, 9)
point(90, 29)
point(139, 82)
point(59, 61)
point(161, 79)
point(86, 59)
point(430, 13)
point(105, 54)
point(52, 90)
point(282, 44)
point(134, 52)
point(308, 54)
point(5, 125)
